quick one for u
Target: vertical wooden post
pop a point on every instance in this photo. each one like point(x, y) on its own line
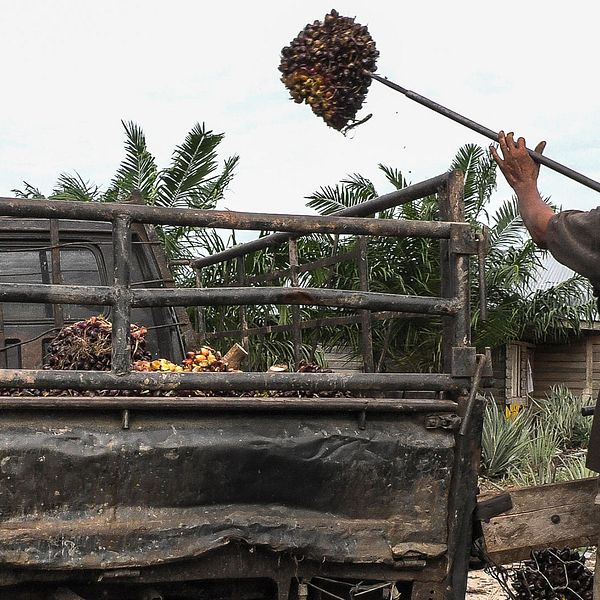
point(121, 318)
point(296, 329)
point(454, 270)
point(241, 280)
point(201, 320)
point(366, 334)
point(57, 278)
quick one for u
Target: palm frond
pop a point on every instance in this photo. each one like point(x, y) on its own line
point(212, 191)
point(137, 171)
point(479, 171)
point(361, 187)
point(192, 164)
point(28, 191)
point(328, 199)
point(507, 225)
point(74, 187)
point(394, 176)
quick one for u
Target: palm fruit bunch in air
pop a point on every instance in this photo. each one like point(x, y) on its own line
point(326, 66)
point(87, 345)
point(553, 574)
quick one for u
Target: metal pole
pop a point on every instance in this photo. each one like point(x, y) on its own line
point(296, 328)
point(227, 404)
point(234, 381)
point(403, 196)
point(485, 131)
point(366, 334)
point(57, 278)
point(121, 317)
point(241, 279)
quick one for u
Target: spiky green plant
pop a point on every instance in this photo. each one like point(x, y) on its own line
point(504, 442)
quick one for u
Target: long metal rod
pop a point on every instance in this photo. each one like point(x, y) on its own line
point(93, 403)
point(345, 222)
point(305, 296)
point(370, 207)
point(296, 326)
point(167, 381)
point(485, 131)
point(52, 294)
point(103, 295)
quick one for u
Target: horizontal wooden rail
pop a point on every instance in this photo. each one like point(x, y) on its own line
point(166, 381)
point(370, 207)
point(104, 295)
point(273, 404)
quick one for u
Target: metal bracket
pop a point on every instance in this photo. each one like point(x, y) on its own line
point(449, 422)
point(463, 242)
point(464, 362)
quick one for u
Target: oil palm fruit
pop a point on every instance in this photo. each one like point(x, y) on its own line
point(325, 64)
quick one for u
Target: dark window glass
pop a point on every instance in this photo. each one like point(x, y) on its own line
point(79, 266)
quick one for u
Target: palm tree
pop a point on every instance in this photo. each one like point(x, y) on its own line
point(193, 179)
point(516, 310)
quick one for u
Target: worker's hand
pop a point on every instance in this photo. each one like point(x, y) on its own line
point(520, 170)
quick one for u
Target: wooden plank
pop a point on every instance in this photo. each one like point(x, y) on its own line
point(574, 367)
point(559, 515)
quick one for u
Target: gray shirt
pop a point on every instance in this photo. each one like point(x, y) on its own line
point(574, 240)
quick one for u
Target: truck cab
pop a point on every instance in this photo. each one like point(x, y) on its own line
point(82, 256)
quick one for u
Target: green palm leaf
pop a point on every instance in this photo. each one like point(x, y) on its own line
point(328, 199)
point(137, 171)
point(192, 163)
point(74, 187)
point(394, 176)
point(28, 191)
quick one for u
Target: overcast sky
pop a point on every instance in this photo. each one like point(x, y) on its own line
point(72, 69)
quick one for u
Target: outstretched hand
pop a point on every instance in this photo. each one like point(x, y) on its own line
point(520, 170)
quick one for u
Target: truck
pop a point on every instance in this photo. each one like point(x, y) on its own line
point(154, 492)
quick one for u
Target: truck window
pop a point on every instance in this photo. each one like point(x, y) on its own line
point(79, 265)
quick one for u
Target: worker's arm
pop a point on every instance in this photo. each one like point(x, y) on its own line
point(521, 173)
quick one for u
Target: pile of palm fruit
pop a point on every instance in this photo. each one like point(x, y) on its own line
point(206, 359)
point(87, 346)
point(553, 574)
point(327, 66)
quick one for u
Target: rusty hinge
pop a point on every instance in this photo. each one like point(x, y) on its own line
point(450, 422)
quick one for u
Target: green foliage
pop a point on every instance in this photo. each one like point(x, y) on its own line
point(137, 171)
point(516, 310)
point(504, 441)
point(28, 191)
point(545, 443)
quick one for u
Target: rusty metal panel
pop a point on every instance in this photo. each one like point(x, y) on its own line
point(85, 493)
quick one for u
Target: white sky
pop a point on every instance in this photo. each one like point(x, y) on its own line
point(72, 69)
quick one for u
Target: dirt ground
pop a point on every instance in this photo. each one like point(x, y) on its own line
point(480, 585)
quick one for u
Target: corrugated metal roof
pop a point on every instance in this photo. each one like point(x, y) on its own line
point(550, 274)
